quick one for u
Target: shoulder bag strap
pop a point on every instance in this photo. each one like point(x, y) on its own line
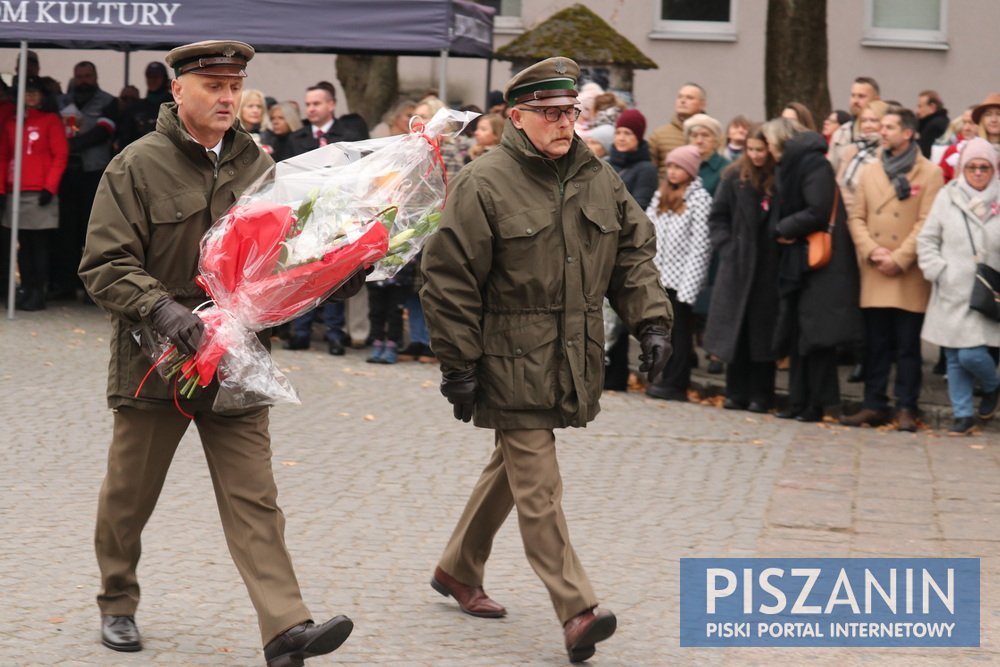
point(833, 213)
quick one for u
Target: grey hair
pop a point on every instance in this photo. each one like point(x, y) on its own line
point(779, 130)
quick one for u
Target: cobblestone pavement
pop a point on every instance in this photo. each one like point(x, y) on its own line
point(373, 473)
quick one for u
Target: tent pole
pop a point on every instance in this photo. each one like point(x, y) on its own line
point(22, 77)
point(443, 77)
point(128, 55)
point(489, 82)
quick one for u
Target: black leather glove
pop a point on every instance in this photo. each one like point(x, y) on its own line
point(459, 387)
point(352, 286)
point(178, 323)
point(44, 198)
point(656, 349)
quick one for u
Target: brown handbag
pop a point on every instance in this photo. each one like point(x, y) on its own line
point(820, 243)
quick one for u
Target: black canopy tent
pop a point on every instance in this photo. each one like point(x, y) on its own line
point(402, 27)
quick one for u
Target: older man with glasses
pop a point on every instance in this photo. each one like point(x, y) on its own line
point(533, 236)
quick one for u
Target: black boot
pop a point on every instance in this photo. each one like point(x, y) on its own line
point(34, 299)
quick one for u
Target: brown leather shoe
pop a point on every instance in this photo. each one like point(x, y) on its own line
point(906, 420)
point(866, 417)
point(586, 629)
point(473, 600)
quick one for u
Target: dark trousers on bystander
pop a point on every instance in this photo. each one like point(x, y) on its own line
point(749, 381)
point(892, 335)
point(677, 375)
point(385, 311)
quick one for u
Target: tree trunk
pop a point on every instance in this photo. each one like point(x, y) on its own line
point(371, 84)
point(795, 65)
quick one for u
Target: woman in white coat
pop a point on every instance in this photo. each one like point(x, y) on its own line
point(965, 214)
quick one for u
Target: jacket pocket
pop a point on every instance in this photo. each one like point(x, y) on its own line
point(177, 208)
point(518, 368)
point(604, 218)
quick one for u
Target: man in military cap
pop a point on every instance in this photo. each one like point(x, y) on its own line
point(156, 200)
point(533, 236)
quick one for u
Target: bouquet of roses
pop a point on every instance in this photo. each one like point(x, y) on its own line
point(293, 238)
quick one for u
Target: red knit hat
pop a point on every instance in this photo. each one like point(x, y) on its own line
point(634, 121)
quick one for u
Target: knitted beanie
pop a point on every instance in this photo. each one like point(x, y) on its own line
point(634, 121)
point(687, 158)
point(705, 121)
point(977, 148)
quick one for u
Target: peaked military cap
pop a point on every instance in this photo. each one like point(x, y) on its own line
point(211, 58)
point(550, 82)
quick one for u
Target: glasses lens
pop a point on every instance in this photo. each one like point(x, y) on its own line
point(980, 168)
point(552, 114)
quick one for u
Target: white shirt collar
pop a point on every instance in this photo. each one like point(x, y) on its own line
point(217, 149)
point(325, 128)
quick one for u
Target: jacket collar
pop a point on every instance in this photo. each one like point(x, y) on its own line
point(516, 143)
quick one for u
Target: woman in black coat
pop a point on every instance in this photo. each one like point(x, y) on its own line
point(630, 158)
point(740, 328)
point(818, 309)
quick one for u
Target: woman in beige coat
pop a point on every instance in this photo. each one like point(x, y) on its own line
point(965, 214)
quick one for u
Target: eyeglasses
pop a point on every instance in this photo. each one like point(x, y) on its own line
point(553, 114)
point(978, 168)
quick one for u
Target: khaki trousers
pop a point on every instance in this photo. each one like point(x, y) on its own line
point(238, 451)
point(523, 473)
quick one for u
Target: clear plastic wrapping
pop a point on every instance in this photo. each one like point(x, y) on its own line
point(294, 237)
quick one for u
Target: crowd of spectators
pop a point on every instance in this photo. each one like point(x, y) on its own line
point(909, 197)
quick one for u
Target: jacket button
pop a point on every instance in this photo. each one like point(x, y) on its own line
point(231, 172)
point(603, 228)
point(179, 215)
point(142, 309)
point(517, 350)
point(529, 231)
point(569, 259)
point(569, 343)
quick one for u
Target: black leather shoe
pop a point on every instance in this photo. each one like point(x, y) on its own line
point(120, 633)
point(788, 413)
point(733, 404)
point(810, 415)
point(336, 348)
point(296, 344)
point(307, 640)
point(758, 406)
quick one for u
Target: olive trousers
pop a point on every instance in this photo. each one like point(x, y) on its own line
point(238, 451)
point(522, 473)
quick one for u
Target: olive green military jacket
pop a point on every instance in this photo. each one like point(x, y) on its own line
point(516, 276)
point(156, 200)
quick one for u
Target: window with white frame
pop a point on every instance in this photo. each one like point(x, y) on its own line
point(696, 19)
point(507, 19)
point(917, 24)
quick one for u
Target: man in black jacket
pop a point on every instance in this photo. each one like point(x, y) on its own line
point(323, 127)
point(933, 120)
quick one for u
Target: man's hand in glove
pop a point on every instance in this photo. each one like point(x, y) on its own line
point(352, 286)
point(44, 198)
point(178, 323)
point(459, 387)
point(655, 343)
